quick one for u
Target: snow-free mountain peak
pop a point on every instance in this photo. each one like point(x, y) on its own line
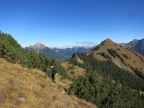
point(38, 46)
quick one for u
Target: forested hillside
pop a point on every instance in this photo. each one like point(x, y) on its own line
point(12, 51)
point(113, 79)
point(109, 71)
point(107, 85)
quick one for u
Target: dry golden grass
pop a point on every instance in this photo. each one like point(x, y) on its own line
point(78, 71)
point(24, 88)
point(100, 57)
point(134, 59)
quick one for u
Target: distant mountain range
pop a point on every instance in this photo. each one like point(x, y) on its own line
point(61, 54)
point(57, 53)
point(135, 45)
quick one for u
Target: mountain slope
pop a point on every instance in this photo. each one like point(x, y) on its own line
point(136, 45)
point(13, 52)
point(121, 56)
point(108, 81)
point(113, 62)
point(31, 88)
point(72, 70)
point(107, 85)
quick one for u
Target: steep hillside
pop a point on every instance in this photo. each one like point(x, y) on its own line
point(121, 56)
point(136, 45)
point(106, 85)
point(31, 88)
point(12, 51)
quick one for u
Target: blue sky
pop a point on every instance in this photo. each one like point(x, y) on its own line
point(62, 23)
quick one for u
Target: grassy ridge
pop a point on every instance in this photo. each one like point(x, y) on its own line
point(31, 88)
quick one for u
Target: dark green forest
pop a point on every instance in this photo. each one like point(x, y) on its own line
point(109, 71)
point(105, 93)
point(107, 85)
point(13, 52)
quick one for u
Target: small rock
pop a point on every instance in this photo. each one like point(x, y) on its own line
point(64, 92)
point(22, 99)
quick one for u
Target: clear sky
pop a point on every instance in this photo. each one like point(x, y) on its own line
point(62, 23)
